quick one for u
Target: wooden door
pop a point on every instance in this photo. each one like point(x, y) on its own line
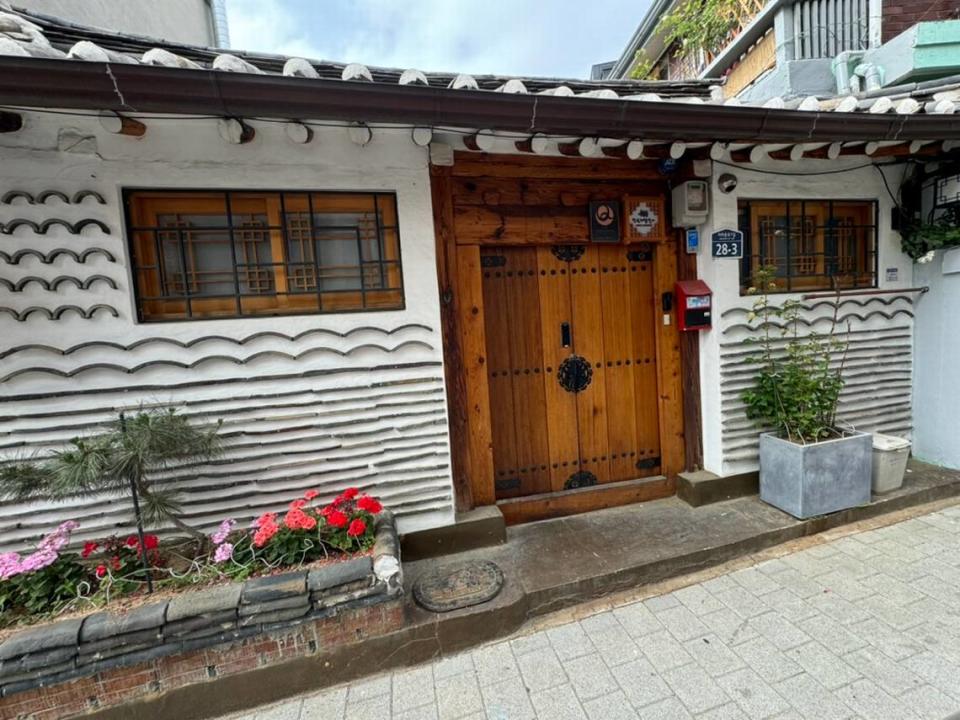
point(571, 364)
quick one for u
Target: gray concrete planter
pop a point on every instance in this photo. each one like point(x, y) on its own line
point(815, 479)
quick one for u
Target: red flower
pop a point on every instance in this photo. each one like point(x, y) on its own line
point(297, 519)
point(350, 493)
point(101, 570)
point(263, 535)
point(337, 519)
point(115, 562)
point(297, 504)
point(369, 504)
point(88, 549)
point(151, 542)
point(357, 528)
point(265, 519)
point(132, 541)
point(337, 501)
point(310, 494)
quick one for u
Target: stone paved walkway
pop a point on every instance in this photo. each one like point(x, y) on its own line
point(866, 626)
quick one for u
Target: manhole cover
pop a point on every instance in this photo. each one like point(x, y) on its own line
point(460, 585)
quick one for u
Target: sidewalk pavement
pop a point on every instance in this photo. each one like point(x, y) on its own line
point(865, 626)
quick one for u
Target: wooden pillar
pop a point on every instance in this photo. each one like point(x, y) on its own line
point(669, 366)
point(690, 371)
point(452, 356)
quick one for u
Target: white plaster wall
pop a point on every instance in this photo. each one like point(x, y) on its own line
point(722, 410)
point(400, 407)
point(936, 396)
point(185, 21)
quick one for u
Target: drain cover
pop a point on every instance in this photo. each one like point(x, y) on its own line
point(459, 585)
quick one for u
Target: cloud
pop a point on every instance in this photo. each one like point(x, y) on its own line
point(559, 38)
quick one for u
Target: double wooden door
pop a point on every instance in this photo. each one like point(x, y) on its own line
point(571, 361)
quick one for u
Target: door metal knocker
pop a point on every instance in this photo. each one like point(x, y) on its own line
point(574, 374)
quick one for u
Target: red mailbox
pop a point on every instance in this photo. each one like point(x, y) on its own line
point(694, 305)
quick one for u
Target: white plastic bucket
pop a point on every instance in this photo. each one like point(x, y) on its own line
point(890, 456)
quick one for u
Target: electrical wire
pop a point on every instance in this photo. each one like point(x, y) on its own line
point(799, 174)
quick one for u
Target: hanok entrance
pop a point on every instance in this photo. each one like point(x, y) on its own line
point(563, 363)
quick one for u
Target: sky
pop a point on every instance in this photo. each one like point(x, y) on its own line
point(551, 38)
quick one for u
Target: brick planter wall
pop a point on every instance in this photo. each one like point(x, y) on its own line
point(102, 660)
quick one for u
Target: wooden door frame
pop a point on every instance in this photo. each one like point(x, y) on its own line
point(464, 340)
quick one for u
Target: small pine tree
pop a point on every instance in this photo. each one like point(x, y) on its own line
point(125, 457)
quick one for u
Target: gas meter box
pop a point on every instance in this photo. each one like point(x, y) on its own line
point(694, 305)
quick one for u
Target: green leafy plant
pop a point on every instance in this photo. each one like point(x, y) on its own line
point(920, 240)
point(697, 25)
point(642, 66)
point(797, 386)
point(121, 460)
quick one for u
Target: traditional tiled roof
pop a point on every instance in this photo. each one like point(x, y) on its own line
point(48, 62)
point(30, 34)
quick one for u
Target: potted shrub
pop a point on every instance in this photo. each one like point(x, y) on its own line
point(808, 465)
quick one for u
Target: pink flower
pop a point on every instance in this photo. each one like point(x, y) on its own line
point(9, 565)
point(310, 494)
point(223, 553)
point(226, 527)
point(38, 560)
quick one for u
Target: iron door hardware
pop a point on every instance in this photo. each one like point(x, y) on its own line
point(565, 338)
point(568, 253)
point(507, 484)
point(581, 479)
point(574, 374)
point(648, 463)
point(666, 301)
point(490, 261)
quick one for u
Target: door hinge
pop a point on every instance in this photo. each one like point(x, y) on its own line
point(648, 463)
point(507, 484)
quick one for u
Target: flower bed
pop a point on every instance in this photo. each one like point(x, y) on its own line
point(228, 617)
point(51, 581)
point(309, 563)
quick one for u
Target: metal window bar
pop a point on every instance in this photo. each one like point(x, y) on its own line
point(315, 253)
point(363, 279)
point(233, 253)
point(381, 240)
point(183, 272)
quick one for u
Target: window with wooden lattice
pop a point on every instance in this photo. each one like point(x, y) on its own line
point(233, 254)
point(811, 244)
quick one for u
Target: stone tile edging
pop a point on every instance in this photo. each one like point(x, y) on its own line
point(78, 647)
